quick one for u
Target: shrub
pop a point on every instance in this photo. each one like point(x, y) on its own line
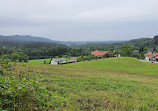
point(84, 58)
point(23, 92)
point(4, 63)
point(1, 72)
point(26, 93)
point(106, 55)
point(136, 55)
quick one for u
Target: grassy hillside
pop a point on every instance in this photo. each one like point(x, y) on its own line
point(105, 84)
point(123, 64)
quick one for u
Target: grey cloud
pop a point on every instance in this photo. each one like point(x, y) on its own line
point(80, 19)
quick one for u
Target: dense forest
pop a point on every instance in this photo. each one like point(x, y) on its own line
point(39, 48)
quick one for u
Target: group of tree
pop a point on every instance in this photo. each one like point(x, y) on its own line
point(127, 51)
point(86, 58)
point(40, 50)
point(13, 55)
point(50, 52)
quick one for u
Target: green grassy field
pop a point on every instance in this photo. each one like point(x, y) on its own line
point(39, 61)
point(106, 84)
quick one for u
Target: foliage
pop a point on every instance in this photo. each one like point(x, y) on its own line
point(15, 57)
point(66, 56)
point(84, 58)
point(136, 55)
point(1, 72)
point(126, 50)
point(106, 55)
point(23, 91)
point(155, 40)
point(115, 52)
point(4, 63)
point(51, 52)
point(18, 56)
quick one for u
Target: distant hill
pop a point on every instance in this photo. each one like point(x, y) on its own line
point(116, 44)
point(17, 41)
point(26, 41)
point(141, 41)
point(24, 38)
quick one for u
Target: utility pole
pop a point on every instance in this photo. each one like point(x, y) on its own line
point(152, 55)
point(152, 47)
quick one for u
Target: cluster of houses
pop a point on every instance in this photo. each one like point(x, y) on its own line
point(148, 56)
point(100, 54)
point(96, 53)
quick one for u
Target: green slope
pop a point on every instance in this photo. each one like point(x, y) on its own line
point(113, 84)
point(122, 64)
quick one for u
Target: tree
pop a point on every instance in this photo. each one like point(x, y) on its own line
point(15, 57)
point(136, 55)
point(155, 40)
point(126, 50)
point(106, 55)
point(116, 52)
point(22, 57)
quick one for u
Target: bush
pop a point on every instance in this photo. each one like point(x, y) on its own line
point(106, 55)
point(1, 72)
point(136, 55)
point(84, 58)
point(23, 93)
point(14, 57)
point(4, 63)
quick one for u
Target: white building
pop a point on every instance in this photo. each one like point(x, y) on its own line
point(58, 61)
point(148, 56)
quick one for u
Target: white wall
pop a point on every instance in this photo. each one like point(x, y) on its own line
point(63, 61)
point(54, 63)
point(146, 58)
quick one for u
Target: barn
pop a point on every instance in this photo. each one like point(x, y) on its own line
point(58, 61)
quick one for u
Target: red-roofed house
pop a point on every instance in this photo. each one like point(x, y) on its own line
point(99, 53)
point(148, 56)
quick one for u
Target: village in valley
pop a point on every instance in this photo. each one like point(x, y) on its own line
point(51, 76)
point(149, 56)
point(78, 55)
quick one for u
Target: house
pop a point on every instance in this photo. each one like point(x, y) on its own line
point(72, 60)
point(148, 56)
point(58, 61)
point(136, 51)
point(99, 53)
point(118, 55)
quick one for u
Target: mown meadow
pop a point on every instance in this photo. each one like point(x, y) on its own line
point(122, 84)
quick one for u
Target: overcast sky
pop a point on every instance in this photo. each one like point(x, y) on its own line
point(80, 20)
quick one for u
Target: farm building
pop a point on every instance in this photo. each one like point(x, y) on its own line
point(58, 61)
point(72, 60)
point(99, 53)
point(118, 55)
point(148, 56)
point(136, 51)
